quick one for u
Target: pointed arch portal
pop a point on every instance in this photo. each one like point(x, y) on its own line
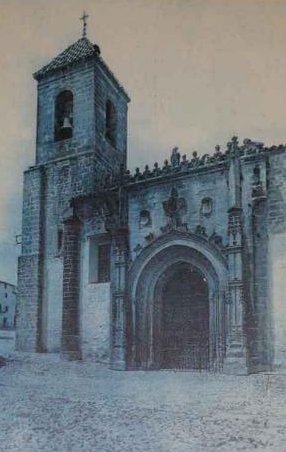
point(178, 305)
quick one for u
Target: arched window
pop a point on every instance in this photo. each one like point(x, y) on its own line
point(110, 122)
point(64, 116)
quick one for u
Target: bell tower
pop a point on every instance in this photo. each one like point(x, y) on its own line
point(81, 107)
point(81, 137)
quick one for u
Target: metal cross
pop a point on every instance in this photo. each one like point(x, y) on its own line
point(84, 21)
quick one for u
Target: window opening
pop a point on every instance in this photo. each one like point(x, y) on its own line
point(64, 116)
point(110, 123)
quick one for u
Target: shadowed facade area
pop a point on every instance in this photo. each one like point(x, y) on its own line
point(184, 313)
point(172, 267)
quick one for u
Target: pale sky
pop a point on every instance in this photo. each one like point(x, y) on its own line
point(197, 72)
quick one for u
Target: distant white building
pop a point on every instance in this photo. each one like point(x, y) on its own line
point(7, 305)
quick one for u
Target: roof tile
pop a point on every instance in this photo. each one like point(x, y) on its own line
point(78, 51)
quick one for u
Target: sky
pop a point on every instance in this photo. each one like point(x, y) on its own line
point(197, 72)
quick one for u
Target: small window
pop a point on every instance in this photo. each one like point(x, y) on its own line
point(104, 263)
point(64, 116)
point(60, 240)
point(206, 206)
point(99, 260)
point(110, 123)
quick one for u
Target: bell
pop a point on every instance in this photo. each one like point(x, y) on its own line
point(66, 123)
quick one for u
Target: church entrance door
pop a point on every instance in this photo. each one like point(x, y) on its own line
point(184, 319)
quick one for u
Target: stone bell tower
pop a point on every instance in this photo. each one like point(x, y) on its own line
point(81, 107)
point(81, 137)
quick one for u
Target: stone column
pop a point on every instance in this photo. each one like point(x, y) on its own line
point(70, 344)
point(119, 333)
point(235, 360)
point(29, 323)
point(216, 332)
point(261, 335)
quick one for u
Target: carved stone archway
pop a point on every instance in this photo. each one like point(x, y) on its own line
point(146, 279)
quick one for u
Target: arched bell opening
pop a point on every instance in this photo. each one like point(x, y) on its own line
point(64, 116)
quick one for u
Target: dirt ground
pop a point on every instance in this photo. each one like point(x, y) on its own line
point(51, 405)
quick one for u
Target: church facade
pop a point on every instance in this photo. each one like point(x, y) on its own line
point(178, 266)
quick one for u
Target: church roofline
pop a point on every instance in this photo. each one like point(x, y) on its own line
point(249, 151)
point(177, 167)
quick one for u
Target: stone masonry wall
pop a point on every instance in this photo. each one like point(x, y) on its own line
point(42, 221)
point(277, 252)
point(106, 90)
point(71, 337)
point(65, 169)
point(72, 168)
point(95, 299)
point(30, 264)
point(80, 80)
point(193, 188)
point(258, 237)
point(66, 179)
point(256, 265)
point(261, 335)
point(91, 88)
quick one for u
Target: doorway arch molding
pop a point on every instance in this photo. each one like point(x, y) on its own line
point(145, 274)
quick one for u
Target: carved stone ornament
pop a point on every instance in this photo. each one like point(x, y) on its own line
point(206, 206)
point(257, 185)
point(232, 146)
point(149, 237)
point(252, 147)
point(138, 248)
point(175, 157)
point(144, 218)
point(110, 213)
point(216, 239)
point(201, 230)
point(174, 207)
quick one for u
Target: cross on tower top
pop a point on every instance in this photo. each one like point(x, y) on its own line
point(84, 18)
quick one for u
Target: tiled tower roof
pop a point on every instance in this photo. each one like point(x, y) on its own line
point(78, 51)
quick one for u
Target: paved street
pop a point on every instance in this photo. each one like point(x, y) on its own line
point(49, 405)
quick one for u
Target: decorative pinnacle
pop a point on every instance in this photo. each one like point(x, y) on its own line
point(84, 18)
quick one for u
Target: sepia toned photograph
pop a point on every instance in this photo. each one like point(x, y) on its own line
point(142, 225)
